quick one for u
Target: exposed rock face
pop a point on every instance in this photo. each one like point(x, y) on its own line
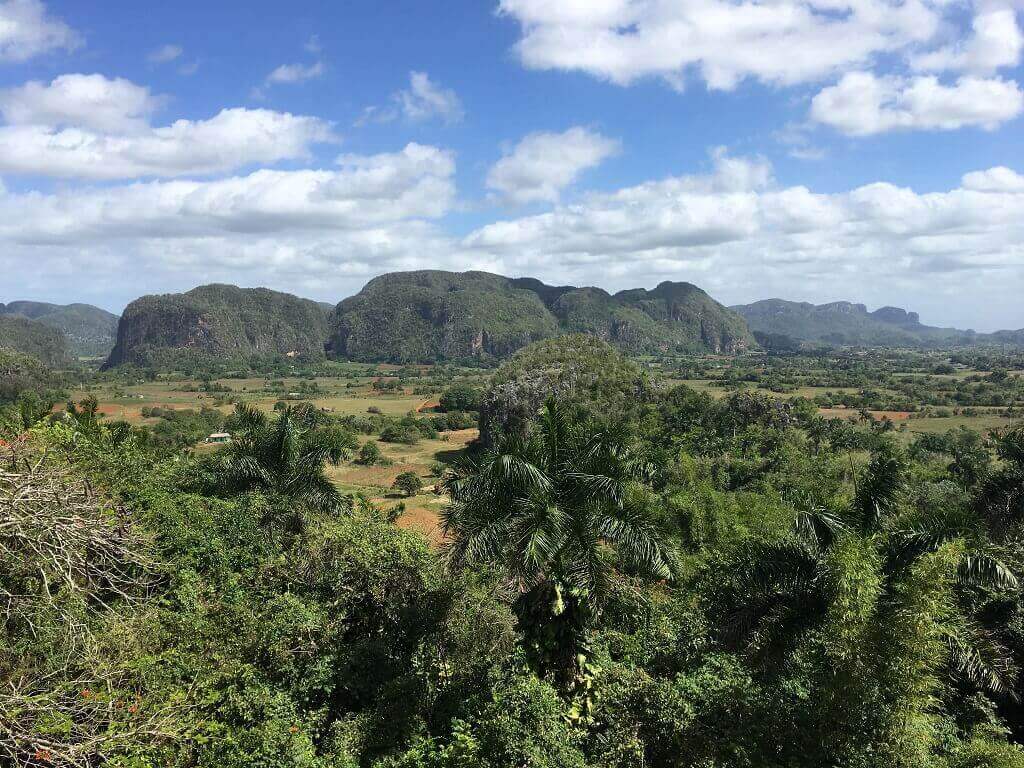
point(432, 315)
point(219, 321)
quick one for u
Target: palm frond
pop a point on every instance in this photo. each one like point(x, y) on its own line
point(981, 570)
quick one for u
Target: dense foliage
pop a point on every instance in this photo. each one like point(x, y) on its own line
point(218, 321)
point(90, 331)
point(433, 315)
point(635, 574)
point(29, 337)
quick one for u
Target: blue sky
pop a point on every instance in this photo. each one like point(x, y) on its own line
point(867, 150)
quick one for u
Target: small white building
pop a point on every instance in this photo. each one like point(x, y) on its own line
point(219, 437)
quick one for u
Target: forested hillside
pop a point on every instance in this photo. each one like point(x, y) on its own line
point(90, 331)
point(218, 321)
point(844, 323)
point(433, 315)
point(33, 338)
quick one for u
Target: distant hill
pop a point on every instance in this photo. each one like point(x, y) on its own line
point(433, 315)
point(90, 331)
point(221, 321)
point(20, 372)
point(30, 337)
point(775, 321)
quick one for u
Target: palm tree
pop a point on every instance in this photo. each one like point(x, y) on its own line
point(550, 508)
point(1000, 499)
point(785, 589)
point(280, 458)
point(874, 601)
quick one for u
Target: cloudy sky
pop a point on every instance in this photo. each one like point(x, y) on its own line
point(868, 150)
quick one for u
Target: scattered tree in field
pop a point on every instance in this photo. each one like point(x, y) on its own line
point(408, 483)
point(460, 397)
point(370, 453)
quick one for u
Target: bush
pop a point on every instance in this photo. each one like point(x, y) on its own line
point(460, 397)
point(370, 454)
point(408, 483)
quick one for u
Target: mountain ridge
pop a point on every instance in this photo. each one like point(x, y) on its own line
point(849, 323)
point(438, 315)
point(218, 320)
point(90, 331)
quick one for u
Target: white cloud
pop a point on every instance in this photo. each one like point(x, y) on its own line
point(861, 103)
point(955, 256)
point(995, 41)
point(231, 139)
point(308, 230)
point(781, 42)
point(27, 30)
point(88, 101)
point(542, 164)
point(999, 179)
point(740, 236)
point(424, 100)
point(295, 73)
point(364, 191)
point(165, 53)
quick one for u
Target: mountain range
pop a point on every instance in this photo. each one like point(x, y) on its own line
point(431, 315)
point(89, 331)
point(842, 323)
point(434, 315)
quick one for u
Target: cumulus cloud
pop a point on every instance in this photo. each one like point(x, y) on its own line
point(861, 103)
point(295, 73)
point(27, 30)
point(732, 230)
point(363, 191)
point(88, 101)
point(739, 235)
point(998, 179)
point(313, 231)
point(995, 41)
point(724, 42)
point(92, 127)
point(423, 100)
point(542, 164)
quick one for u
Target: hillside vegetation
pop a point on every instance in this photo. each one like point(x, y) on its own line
point(33, 338)
point(90, 331)
point(219, 321)
point(434, 315)
point(844, 323)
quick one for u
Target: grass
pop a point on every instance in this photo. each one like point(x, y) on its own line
point(422, 511)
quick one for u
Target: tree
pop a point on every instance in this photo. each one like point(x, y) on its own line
point(460, 397)
point(870, 591)
point(370, 453)
point(550, 508)
point(408, 483)
point(278, 457)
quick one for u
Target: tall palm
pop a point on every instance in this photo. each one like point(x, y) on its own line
point(783, 590)
point(281, 458)
point(1001, 497)
point(551, 508)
